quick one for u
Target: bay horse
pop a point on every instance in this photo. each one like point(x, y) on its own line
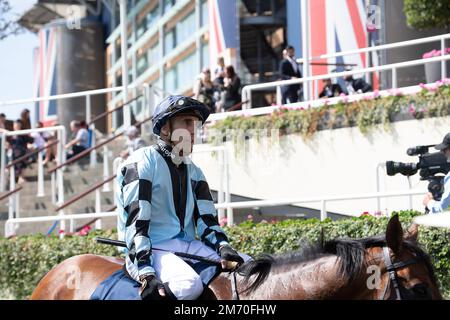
point(392, 266)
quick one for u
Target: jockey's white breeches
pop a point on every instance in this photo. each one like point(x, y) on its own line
point(182, 280)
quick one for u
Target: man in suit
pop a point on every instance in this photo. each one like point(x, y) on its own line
point(289, 69)
point(358, 85)
point(330, 89)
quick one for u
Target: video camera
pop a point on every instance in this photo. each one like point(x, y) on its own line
point(430, 166)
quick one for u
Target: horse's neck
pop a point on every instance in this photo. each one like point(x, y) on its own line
point(316, 279)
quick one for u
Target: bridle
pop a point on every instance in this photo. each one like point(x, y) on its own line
point(392, 270)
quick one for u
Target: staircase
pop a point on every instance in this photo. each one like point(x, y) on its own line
point(262, 34)
point(77, 178)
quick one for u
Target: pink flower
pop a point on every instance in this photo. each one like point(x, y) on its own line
point(435, 53)
point(422, 85)
point(433, 87)
point(223, 221)
point(365, 213)
point(376, 94)
point(249, 217)
point(412, 110)
point(344, 97)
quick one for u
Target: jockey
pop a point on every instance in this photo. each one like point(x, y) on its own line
point(164, 200)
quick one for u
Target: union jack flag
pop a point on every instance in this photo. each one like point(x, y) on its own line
point(223, 30)
point(44, 82)
point(339, 25)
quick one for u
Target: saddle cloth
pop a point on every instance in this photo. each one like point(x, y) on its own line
point(119, 286)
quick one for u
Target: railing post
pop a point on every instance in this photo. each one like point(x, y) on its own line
point(230, 216)
point(220, 189)
point(40, 188)
point(2, 160)
point(98, 208)
point(279, 96)
point(60, 180)
point(394, 78)
point(106, 187)
point(16, 209)
point(443, 62)
point(93, 154)
point(9, 229)
point(11, 199)
point(323, 211)
point(116, 163)
point(53, 187)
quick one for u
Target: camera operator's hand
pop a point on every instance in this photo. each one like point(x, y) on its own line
point(428, 197)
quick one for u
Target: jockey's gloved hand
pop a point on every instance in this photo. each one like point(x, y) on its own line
point(228, 254)
point(151, 287)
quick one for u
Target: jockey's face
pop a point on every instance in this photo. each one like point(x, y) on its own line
point(182, 129)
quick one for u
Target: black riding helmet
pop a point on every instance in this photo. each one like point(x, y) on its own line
point(173, 105)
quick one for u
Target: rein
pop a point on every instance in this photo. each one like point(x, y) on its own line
point(392, 270)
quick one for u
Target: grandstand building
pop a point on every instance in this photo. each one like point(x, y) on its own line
point(170, 41)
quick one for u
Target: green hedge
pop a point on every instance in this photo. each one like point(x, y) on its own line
point(24, 260)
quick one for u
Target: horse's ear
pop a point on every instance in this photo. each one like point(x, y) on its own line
point(394, 234)
point(413, 232)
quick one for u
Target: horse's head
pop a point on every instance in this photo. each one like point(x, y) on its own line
point(405, 270)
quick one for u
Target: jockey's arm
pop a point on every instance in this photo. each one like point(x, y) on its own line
point(208, 227)
point(135, 182)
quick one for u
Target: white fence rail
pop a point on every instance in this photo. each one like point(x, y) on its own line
point(247, 90)
point(10, 223)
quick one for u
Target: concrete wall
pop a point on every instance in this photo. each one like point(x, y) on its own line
point(332, 163)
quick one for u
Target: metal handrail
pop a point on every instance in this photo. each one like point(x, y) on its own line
point(89, 150)
point(380, 47)
point(7, 194)
point(81, 195)
point(104, 114)
point(246, 90)
point(29, 154)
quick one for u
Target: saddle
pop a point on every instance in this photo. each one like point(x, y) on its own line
point(120, 285)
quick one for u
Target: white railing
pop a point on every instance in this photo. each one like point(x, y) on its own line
point(246, 91)
point(10, 223)
point(366, 51)
point(322, 200)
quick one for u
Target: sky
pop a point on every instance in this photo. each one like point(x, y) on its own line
point(16, 65)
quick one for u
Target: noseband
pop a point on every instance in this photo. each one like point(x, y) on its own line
point(392, 270)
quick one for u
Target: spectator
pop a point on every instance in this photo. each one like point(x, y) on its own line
point(2, 122)
point(40, 138)
point(230, 91)
point(80, 141)
point(204, 89)
point(134, 142)
point(25, 117)
point(219, 72)
point(289, 69)
point(330, 90)
point(19, 148)
point(354, 86)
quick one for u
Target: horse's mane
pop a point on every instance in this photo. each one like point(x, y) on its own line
point(350, 252)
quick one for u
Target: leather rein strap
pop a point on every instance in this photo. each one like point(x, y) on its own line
point(392, 270)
